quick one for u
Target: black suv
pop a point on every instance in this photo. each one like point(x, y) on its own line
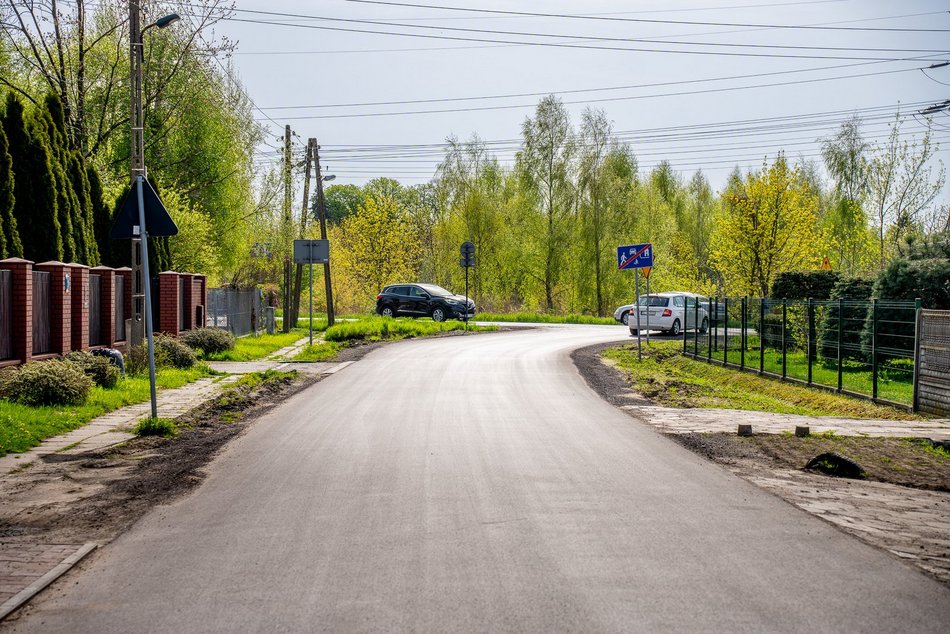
point(423, 300)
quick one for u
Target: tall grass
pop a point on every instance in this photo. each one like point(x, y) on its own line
point(377, 328)
point(544, 318)
point(253, 347)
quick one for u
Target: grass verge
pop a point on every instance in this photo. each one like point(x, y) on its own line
point(251, 348)
point(544, 318)
point(379, 328)
point(163, 427)
point(23, 427)
point(669, 378)
point(323, 351)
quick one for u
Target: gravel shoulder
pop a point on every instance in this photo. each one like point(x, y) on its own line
point(903, 506)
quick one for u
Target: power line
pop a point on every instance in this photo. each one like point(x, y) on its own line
point(643, 20)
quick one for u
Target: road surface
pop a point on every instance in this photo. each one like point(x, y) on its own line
point(477, 484)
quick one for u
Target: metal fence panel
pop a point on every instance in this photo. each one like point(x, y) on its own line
point(236, 310)
point(42, 343)
point(6, 314)
point(95, 310)
point(858, 347)
point(932, 392)
point(119, 309)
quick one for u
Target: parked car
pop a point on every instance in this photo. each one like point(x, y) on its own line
point(667, 312)
point(622, 314)
point(423, 300)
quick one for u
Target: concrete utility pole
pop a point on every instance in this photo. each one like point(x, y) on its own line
point(304, 215)
point(287, 229)
point(137, 151)
point(321, 204)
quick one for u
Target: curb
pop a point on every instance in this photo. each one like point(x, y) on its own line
point(37, 586)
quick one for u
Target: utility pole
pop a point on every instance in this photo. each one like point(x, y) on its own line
point(305, 213)
point(137, 151)
point(321, 204)
point(287, 229)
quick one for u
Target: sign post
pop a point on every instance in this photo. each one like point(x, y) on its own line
point(467, 262)
point(133, 220)
point(636, 257)
point(312, 252)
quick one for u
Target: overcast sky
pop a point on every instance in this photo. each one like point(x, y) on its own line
point(668, 105)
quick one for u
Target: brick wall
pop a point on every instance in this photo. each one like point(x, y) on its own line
point(22, 271)
point(168, 298)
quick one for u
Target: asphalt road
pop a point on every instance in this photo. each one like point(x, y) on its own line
point(477, 484)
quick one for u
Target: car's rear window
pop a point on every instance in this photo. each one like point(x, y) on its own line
point(655, 301)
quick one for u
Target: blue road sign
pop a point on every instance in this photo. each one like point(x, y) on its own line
point(634, 256)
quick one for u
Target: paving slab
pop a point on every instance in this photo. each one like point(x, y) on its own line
point(26, 569)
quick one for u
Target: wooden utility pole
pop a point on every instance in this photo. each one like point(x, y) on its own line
point(322, 209)
point(286, 230)
point(304, 216)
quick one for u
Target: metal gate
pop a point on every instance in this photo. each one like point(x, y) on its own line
point(41, 317)
point(238, 311)
point(182, 308)
point(6, 314)
point(119, 308)
point(932, 379)
point(95, 310)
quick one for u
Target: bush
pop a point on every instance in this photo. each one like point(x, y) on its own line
point(171, 352)
point(7, 376)
point(102, 371)
point(815, 285)
point(56, 382)
point(853, 314)
point(209, 340)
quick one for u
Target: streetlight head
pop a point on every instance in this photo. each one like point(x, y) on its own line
point(329, 177)
point(166, 20)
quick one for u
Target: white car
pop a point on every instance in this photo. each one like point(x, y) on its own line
point(622, 314)
point(667, 312)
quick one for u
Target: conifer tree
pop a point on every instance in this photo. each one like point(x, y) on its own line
point(10, 245)
point(86, 250)
point(34, 186)
point(101, 216)
point(50, 119)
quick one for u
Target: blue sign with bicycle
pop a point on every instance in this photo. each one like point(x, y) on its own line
point(634, 256)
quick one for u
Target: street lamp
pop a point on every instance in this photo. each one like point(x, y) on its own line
point(137, 149)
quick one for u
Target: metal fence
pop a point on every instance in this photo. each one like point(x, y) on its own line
point(932, 388)
point(236, 310)
point(6, 314)
point(42, 342)
point(95, 309)
point(861, 348)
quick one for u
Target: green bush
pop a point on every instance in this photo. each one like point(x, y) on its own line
point(7, 376)
point(171, 352)
point(100, 369)
point(55, 382)
point(804, 285)
point(854, 291)
point(209, 340)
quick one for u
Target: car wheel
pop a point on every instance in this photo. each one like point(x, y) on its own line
point(387, 311)
point(633, 333)
point(625, 319)
point(675, 330)
point(438, 314)
point(704, 328)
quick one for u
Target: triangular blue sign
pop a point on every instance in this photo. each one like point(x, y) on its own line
point(157, 221)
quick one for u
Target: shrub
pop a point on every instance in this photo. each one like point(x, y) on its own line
point(855, 291)
point(136, 359)
point(56, 382)
point(99, 369)
point(171, 352)
point(816, 285)
point(209, 340)
point(7, 376)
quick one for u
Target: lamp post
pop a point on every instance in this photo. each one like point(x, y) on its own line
point(322, 207)
point(137, 149)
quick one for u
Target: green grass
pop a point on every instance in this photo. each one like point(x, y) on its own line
point(163, 427)
point(23, 427)
point(379, 328)
point(322, 351)
point(895, 380)
point(544, 318)
point(251, 348)
point(666, 376)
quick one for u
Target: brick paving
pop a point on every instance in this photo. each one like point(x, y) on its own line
point(25, 569)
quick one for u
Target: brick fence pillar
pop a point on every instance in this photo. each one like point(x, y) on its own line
point(189, 298)
point(60, 305)
point(22, 335)
point(80, 306)
point(168, 303)
point(107, 281)
point(124, 277)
